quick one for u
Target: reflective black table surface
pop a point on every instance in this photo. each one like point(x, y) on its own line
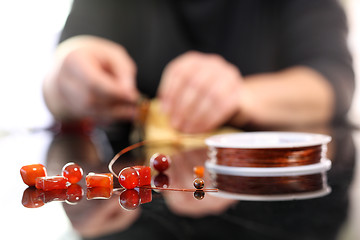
point(324, 205)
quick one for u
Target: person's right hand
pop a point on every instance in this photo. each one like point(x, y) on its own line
point(92, 78)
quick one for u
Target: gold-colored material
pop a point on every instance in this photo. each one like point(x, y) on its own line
point(158, 128)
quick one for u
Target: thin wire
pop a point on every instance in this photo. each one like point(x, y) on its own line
point(136, 145)
point(125, 150)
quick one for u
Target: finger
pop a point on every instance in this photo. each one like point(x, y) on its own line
point(174, 78)
point(123, 68)
point(99, 82)
point(215, 109)
point(187, 100)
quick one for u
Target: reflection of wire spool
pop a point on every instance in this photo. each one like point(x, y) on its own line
point(271, 188)
point(269, 165)
point(269, 185)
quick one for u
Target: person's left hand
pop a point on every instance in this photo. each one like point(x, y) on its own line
point(200, 91)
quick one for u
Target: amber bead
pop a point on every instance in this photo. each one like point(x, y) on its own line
point(129, 178)
point(144, 175)
point(199, 194)
point(199, 171)
point(29, 173)
point(52, 183)
point(198, 183)
point(99, 180)
point(73, 172)
point(160, 162)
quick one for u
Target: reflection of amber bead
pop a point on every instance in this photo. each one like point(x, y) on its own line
point(129, 199)
point(144, 174)
point(74, 193)
point(98, 193)
point(145, 194)
point(58, 195)
point(161, 180)
point(199, 194)
point(32, 198)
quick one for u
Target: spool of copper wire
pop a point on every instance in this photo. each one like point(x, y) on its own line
point(267, 152)
point(269, 165)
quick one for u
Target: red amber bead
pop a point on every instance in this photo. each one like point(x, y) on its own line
point(129, 178)
point(98, 193)
point(29, 173)
point(74, 193)
point(52, 183)
point(32, 198)
point(99, 180)
point(129, 199)
point(160, 162)
point(73, 172)
point(144, 174)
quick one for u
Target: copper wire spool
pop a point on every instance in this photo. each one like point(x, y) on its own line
point(274, 157)
point(267, 149)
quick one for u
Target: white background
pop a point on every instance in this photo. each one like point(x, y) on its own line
point(28, 34)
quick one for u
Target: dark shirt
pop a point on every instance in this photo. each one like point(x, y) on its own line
point(256, 35)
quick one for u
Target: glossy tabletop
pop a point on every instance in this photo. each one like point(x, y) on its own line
point(323, 205)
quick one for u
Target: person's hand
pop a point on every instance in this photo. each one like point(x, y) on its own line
point(200, 91)
point(92, 78)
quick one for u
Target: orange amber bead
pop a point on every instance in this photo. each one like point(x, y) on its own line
point(99, 180)
point(73, 172)
point(29, 173)
point(199, 171)
point(144, 174)
point(52, 183)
